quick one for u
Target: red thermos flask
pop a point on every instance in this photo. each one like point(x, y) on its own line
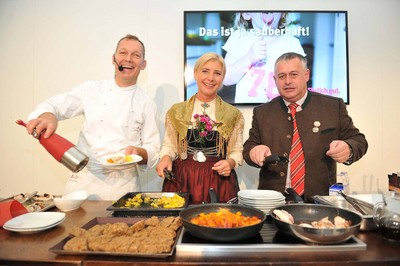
point(62, 150)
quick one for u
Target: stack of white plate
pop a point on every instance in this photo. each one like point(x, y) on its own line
point(34, 222)
point(264, 200)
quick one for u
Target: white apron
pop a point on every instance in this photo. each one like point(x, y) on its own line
point(104, 184)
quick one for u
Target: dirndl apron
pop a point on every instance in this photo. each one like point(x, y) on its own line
point(196, 178)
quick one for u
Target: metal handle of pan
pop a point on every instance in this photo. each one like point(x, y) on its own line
point(213, 195)
point(292, 196)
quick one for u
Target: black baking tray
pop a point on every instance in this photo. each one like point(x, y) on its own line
point(59, 248)
point(119, 209)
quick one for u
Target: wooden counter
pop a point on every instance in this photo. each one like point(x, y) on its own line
point(32, 249)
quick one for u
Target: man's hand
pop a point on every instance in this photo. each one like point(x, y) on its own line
point(258, 154)
point(339, 151)
point(46, 121)
point(138, 151)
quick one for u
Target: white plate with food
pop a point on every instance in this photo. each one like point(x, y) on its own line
point(121, 161)
point(34, 221)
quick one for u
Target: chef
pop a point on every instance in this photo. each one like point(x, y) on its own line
point(119, 117)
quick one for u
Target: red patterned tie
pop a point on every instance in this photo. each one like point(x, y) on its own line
point(297, 165)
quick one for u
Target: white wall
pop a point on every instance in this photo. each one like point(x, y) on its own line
point(48, 46)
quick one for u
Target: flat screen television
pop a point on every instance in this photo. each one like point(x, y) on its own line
point(251, 41)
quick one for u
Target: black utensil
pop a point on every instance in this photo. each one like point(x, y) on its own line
point(169, 175)
point(275, 159)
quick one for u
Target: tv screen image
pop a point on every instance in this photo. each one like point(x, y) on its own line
point(251, 41)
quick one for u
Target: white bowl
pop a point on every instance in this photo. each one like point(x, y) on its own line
point(71, 201)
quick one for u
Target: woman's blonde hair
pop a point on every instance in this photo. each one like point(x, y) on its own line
point(210, 56)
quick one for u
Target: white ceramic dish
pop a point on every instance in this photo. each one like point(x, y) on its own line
point(135, 159)
point(255, 194)
point(264, 200)
point(71, 201)
point(34, 221)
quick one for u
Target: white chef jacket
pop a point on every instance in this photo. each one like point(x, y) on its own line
point(115, 118)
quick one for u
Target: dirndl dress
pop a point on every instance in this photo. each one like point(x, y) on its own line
point(196, 178)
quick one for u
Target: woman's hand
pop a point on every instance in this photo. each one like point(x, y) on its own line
point(165, 163)
point(224, 167)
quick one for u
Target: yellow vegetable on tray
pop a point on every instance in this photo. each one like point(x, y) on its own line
point(175, 201)
point(165, 202)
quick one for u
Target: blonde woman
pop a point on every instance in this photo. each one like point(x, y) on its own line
point(203, 141)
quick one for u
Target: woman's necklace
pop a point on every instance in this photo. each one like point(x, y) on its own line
point(205, 106)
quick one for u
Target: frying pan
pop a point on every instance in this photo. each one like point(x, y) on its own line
point(221, 234)
point(314, 212)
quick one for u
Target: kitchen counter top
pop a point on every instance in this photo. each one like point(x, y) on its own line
point(33, 249)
